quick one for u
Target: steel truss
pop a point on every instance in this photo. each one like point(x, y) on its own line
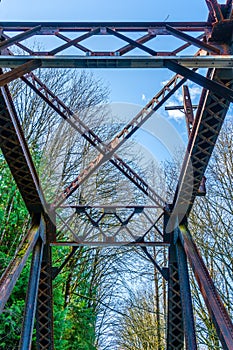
point(215, 53)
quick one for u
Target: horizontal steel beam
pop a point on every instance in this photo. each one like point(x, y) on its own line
point(112, 244)
point(173, 108)
point(86, 26)
point(118, 62)
point(111, 207)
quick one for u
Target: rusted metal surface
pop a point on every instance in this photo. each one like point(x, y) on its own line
point(215, 10)
point(211, 112)
point(188, 108)
point(44, 312)
point(18, 72)
point(12, 272)
point(31, 299)
point(108, 216)
point(175, 322)
point(206, 128)
point(17, 155)
point(107, 244)
point(20, 37)
point(210, 295)
point(215, 38)
point(216, 86)
point(132, 62)
point(150, 30)
point(186, 299)
point(196, 42)
point(119, 26)
point(67, 114)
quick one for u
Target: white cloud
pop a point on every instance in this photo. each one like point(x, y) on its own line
point(143, 97)
point(175, 114)
point(195, 92)
point(179, 97)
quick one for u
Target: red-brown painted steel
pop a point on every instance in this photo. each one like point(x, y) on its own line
point(12, 272)
point(216, 38)
point(211, 297)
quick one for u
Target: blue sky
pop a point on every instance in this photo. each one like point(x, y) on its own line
point(120, 10)
point(127, 86)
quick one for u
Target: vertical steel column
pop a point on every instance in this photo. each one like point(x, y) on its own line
point(186, 300)
point(216, 308)
point(30, 306)
point(44, 314)
point(175, 327)
point(180, 323)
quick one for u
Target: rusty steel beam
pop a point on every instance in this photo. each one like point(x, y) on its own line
point(112, 244)
point(175, 322)
point(188, 109)
point(66, 113)
point(112, 240)
point(20, 37)
point(44, 312)
point(17, 155)
point(49, 28)
point(88, 171)
point(30, 304)
point(195, 41)
point(216, 308)
point(12, 272)
point(125, 62)
point(130, 41)
point(119, 52)
point(185, 46)
point(68, 40)
point(57, 270)
point(21, 46)
point(197, 78)
point(208, 121)
point(180, 108)
point(189, 117)
point(215, 10)
point(112, 208)
point(75, 41)
point(109, 150)
point(127, 48)
point(19, 71)
point(228, 9)
point(186, 299)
